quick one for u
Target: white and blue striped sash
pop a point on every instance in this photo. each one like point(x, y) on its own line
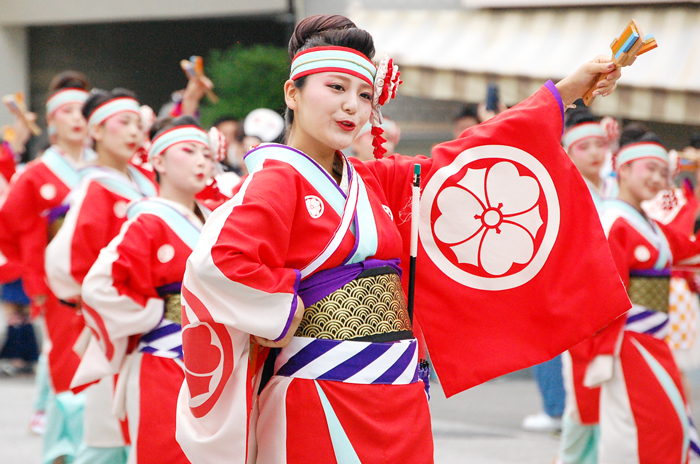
point(394, 363)
point(645, 321)
point(164, 341)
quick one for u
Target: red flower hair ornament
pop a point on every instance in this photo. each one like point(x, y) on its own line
point(386, 82)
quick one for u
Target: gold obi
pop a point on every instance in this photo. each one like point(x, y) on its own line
point(55, 226)
point(650, 292)
point(369, 308)
point(173, 307)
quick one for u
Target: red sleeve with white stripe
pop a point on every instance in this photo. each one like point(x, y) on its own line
point(93, 220)
point(239, 267)
point(119, 293)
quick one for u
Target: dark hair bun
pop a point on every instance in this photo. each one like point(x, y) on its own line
point(330, 30)
point(577, 116)
point(636, 133)
point(99, 97)
point(69, 80)
point(168, 122)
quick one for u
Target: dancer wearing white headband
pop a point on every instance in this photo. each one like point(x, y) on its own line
point(643, 411)
point(97, 212)
point(132, 292)
point(587, 142)
point(305, 261)
point(31, 213)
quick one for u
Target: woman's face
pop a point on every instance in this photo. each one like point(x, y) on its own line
point(70, 124)
point(186, 166)
point(644, 178)
point(120, 135)
point(329, 110)
point(589, 155)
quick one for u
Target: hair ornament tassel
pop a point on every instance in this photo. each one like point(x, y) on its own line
point(386, 82)
point(217, 144)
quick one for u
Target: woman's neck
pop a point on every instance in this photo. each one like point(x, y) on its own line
point(322, 154)
point(105, 158)
point(177, 195)
point(595, 180)
point(72, 149)
point(626, 196)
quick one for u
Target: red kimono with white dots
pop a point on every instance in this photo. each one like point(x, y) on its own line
point(643, 411)
point(30, 210)
point(97, 212)
point(123, 299)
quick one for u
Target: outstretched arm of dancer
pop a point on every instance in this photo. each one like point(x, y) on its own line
point(574, 86)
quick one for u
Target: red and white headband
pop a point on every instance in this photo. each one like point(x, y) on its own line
point(65, 97)
point(175, 135)
point(112, 108)
point(384, 78)
point(641, 150)
point(581, 132)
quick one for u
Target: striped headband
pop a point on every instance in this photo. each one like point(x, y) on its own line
point(582, 131)
point(112, 107)
point(177, 135)
point(65, 97)
point(640, 150)
point(329, 59)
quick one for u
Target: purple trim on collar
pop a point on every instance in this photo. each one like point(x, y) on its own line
point(305, 156)
point(293, 309)
point(355, 219)
point(357, 238)
point(666, 272)
point(555, 92)
point(167, 289)
point(58, 212)
point(321, 284)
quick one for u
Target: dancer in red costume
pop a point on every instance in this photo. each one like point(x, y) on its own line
point(97, 212)
point(136, 280)
point(305, 257)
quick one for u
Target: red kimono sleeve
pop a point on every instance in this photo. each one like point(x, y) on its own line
point(24, 234)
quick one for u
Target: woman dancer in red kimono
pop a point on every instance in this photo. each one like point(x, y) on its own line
point(643, 413)
point(31, 214)
point(97, 211)
point(132, 292)
point(305, 257)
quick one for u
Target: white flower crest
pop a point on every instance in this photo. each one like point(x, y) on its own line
point(491, 218)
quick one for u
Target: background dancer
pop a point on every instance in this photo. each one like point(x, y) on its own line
point(136, 280)
point(643, 413)
point(587, 143)
point(97, 212)
point(31, 214)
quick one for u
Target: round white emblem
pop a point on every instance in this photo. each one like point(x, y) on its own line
point(47, 191)
point(642, 254)
point(165, 253)
point(493, 217)
point(314, 205)
point(120, 208)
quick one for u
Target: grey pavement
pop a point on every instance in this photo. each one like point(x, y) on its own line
point(481, 425)
point(477, 426)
